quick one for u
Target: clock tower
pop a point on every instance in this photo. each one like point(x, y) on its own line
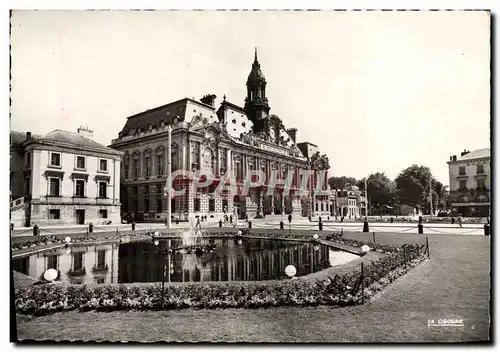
point(256, 105)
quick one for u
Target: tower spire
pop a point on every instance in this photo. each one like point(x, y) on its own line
point(255, 60)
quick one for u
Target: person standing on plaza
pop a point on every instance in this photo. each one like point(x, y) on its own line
point(289, 218)
point(460, 220)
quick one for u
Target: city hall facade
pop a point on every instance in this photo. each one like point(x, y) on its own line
point(228, 138)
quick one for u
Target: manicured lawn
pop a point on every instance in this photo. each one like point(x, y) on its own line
point(454, 283)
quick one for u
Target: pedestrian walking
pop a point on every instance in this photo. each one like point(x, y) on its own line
point(460, 220)
point(289, 218)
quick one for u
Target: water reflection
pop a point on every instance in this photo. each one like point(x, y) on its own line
point(140, 262)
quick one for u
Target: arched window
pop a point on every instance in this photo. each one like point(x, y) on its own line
point(251, 163)
point(238, 167)
point(174, 153)
point(136, 158)
point(147, 162)
point(126, 165)
point(160, 161)
point(223, 160)
point(195, 156)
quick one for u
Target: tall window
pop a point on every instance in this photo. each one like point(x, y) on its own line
point(481, 184)
point(159, 188)
point(52, 262)
point(480, 169)
point(159, 164)
point(146, 205)
point(80, 188)
point(147, 164)
point(175, 159)
point(223, 160)
point(55, 159)
point(101, 258)
point(238, 167)
point(103, 165)
point(54, 184)
point(461, 170)
point(77, 261)
point(126, 166)
point(80, 162)
point(103, 185)
point(463, 184)
point(195, 157)
point(136, 168)
point(196, 204)
point(158, 205)
point(208, 159)
point(211, 205)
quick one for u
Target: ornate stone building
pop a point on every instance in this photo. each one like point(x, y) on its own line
point(229, 138)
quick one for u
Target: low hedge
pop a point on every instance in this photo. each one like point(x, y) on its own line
point(338, 291)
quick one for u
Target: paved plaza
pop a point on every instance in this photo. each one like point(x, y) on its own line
point(272, 223)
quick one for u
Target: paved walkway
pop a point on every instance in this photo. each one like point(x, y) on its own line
point(271, 223)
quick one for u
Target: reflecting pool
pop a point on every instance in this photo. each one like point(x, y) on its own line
point(232, 260)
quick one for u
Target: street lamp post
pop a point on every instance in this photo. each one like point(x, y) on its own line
point(169, 176)
point(366, 197)
point(311, 205)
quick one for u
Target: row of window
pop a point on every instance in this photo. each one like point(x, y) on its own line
point(80, 162)
point(480, 184)
point(80, 189)
point(322, 206)
point(55, 214)
point(159, 166)
point(479, 169)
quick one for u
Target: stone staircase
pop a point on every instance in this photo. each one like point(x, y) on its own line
point(18, 211)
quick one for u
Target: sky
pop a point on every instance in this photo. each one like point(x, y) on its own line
point(376, 91)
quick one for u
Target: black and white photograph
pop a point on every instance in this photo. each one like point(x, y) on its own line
point(230, 176)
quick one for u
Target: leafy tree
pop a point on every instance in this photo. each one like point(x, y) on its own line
point(341, 182)
point(413, 186)
point(381, 190)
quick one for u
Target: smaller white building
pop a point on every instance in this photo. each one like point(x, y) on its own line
point(63, 178)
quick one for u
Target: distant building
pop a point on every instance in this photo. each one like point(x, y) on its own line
point(470, 183)
point(348, 204)
point(63, 178)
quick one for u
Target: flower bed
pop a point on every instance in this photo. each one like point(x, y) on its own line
point(338, 291)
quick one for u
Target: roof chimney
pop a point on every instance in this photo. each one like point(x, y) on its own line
point(454, 158)
point(86, 132)
point(28, 136)
point(292, 132)
point(209, 99)
point(464, 152)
